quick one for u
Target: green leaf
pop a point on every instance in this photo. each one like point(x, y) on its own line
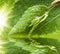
point(16, 47)
point(19, 8)
point(34, 12)
point(10, 47)
point(49, 30)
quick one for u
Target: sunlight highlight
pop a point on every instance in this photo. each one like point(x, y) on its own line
point(3, 16)
point(2, 19)
point(4, 12)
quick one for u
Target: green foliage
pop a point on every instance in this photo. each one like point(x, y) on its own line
point(32, 13)
point(17, 47)
point(21, 19)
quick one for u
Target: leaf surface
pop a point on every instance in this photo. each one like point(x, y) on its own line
point(46, 33)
